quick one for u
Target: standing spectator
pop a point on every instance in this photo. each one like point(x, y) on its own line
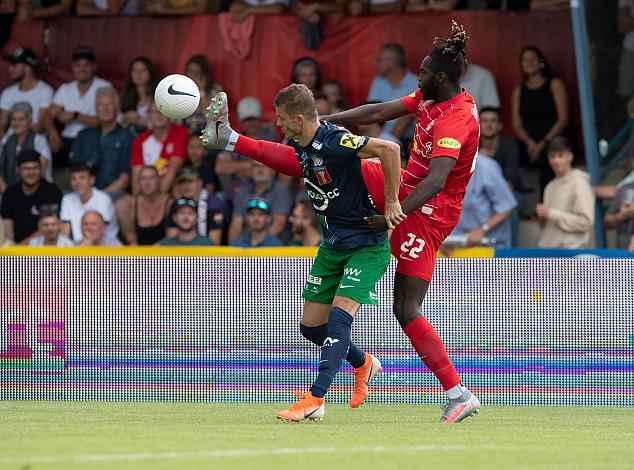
point(567, 214)
point(540, 109)
point(306, 71)
point(94, 230)
point(620, 215)
point(22, 202)
point(211, 209)
point(22, 137)
point(480, 84)
point(138, 92)
point(74, 102)
point(85, 197)
point(199, 70)
point(150, 209)
point(505, 151)
point(185, 215)
point(49, 226)
point(264, 186)
point(625, 20)
point(163, 146)
point(305, 227)
point(392, 83)
point(29, 10)
point(487, 205)
point(258, 218)
point(311, 17)
point(28, 88)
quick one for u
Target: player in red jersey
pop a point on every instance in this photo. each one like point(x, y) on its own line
point(433, 185)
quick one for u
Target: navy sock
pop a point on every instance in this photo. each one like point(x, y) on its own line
point(317, 335)
point(333, 351)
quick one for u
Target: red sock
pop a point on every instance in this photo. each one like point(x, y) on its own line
point(279, 157)
point(429, 347)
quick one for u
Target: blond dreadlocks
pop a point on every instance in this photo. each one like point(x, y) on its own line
point(450, 55)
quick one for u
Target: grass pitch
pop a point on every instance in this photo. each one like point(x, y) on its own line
point(81, 435)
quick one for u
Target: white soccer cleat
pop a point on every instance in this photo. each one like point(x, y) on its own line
point(460, 408)
point(217, 132)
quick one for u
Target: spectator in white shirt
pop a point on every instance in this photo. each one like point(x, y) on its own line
point(480, 84)
point(94, 231)
point(85, 197)
point(74, 102)
point(50, 227)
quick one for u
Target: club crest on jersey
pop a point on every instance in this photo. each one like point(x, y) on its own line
point(448, 143)
point(318, 161)
point(323, 177)
point(350, 141)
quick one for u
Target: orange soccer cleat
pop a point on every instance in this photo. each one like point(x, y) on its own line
point(308, 407)
point(362, 376)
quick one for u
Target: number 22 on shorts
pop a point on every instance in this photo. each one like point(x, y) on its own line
point(412, 246)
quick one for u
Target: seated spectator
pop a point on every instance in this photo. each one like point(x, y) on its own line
point(150, 209)
point(258, 220)
point(22, 137)
point(305, 227)
point(200, 161)
point(49, 226)
point(138, 92)
point(333, 91)
point(85, 197)
point(211, 209)
point(241, 9)
point(487, 205)
point(29, 10)
point(21, 201)
point(94, 231)
point(264, 186)
point(107, 148)
point(392, 83)
point(199, 70)
point(567, 214)
point(99, 7)
point(620, 215)
point(163, 146)
point(74, 102)
point(431, 5)
point(505, 151)
point(306, 71)
point(28, 88)
point(480, 84)
point(175, 7)
point(185, 215)
point(363, 7)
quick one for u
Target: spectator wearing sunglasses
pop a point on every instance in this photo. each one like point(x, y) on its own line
point(258, 219)
point(185, 216)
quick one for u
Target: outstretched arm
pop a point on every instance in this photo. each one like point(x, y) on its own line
point(369, 113)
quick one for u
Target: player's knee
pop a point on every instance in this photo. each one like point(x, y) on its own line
point(405, 312)
point(314, 334)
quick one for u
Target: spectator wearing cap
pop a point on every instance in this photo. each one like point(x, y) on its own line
point(27, 88)
point(29, 10)
point(210, 207)
point(50, 227)
point(185, 215)
point(305, 227)
point(74, 102)
point(94, 230)
point(22, 137)
point(107, 148)
point(164, 146)
point(21, 202)
point(258, 220)
point(85, 197)
point(235, 170)
point(264, 186)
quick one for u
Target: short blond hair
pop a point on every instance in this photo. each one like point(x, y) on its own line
point(297, 99)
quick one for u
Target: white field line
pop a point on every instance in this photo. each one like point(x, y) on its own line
point(239, 453)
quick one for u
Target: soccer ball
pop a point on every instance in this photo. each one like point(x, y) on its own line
point(177, 96)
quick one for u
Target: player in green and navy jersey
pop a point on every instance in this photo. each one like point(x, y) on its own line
point(352, 258)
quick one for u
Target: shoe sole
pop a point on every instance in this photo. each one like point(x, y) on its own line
point(288, 420)
point(213, 112)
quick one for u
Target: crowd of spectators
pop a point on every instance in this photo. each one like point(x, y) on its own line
point(138, 178)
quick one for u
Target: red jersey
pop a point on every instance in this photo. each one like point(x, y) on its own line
point(443, 129)
point(147, 150)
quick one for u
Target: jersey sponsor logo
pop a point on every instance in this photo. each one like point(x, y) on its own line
point(350, 141)
point(412, 94)
point(448, 143)
point(314, 280)
point(320, 198)
point(323, 177)
point(318, 161)
point(317, 145)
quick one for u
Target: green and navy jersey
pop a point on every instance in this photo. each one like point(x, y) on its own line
point(335, 185)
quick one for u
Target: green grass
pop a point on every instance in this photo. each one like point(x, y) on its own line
point(82, 435)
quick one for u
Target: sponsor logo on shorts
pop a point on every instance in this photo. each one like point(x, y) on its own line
point(448, 143)
point(314, 280)
point(373, 295)
point(352, 273)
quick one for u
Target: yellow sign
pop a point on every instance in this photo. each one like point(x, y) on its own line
point(448, 143)
point(350, 140)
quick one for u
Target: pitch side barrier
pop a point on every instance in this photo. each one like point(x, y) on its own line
point(222, 324)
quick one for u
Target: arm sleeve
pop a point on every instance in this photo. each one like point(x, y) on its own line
point(412, 100)
point(41, 147)
point(498, 190)
point(581, 216)
point(615, 205)
point(180, 142)
point(449, 136)
point(58, 97)
point(341, 144)
point(64, 213)
point(4, 101)
point(280, 158)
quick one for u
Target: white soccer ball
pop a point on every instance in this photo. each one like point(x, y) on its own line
point(177, 96)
